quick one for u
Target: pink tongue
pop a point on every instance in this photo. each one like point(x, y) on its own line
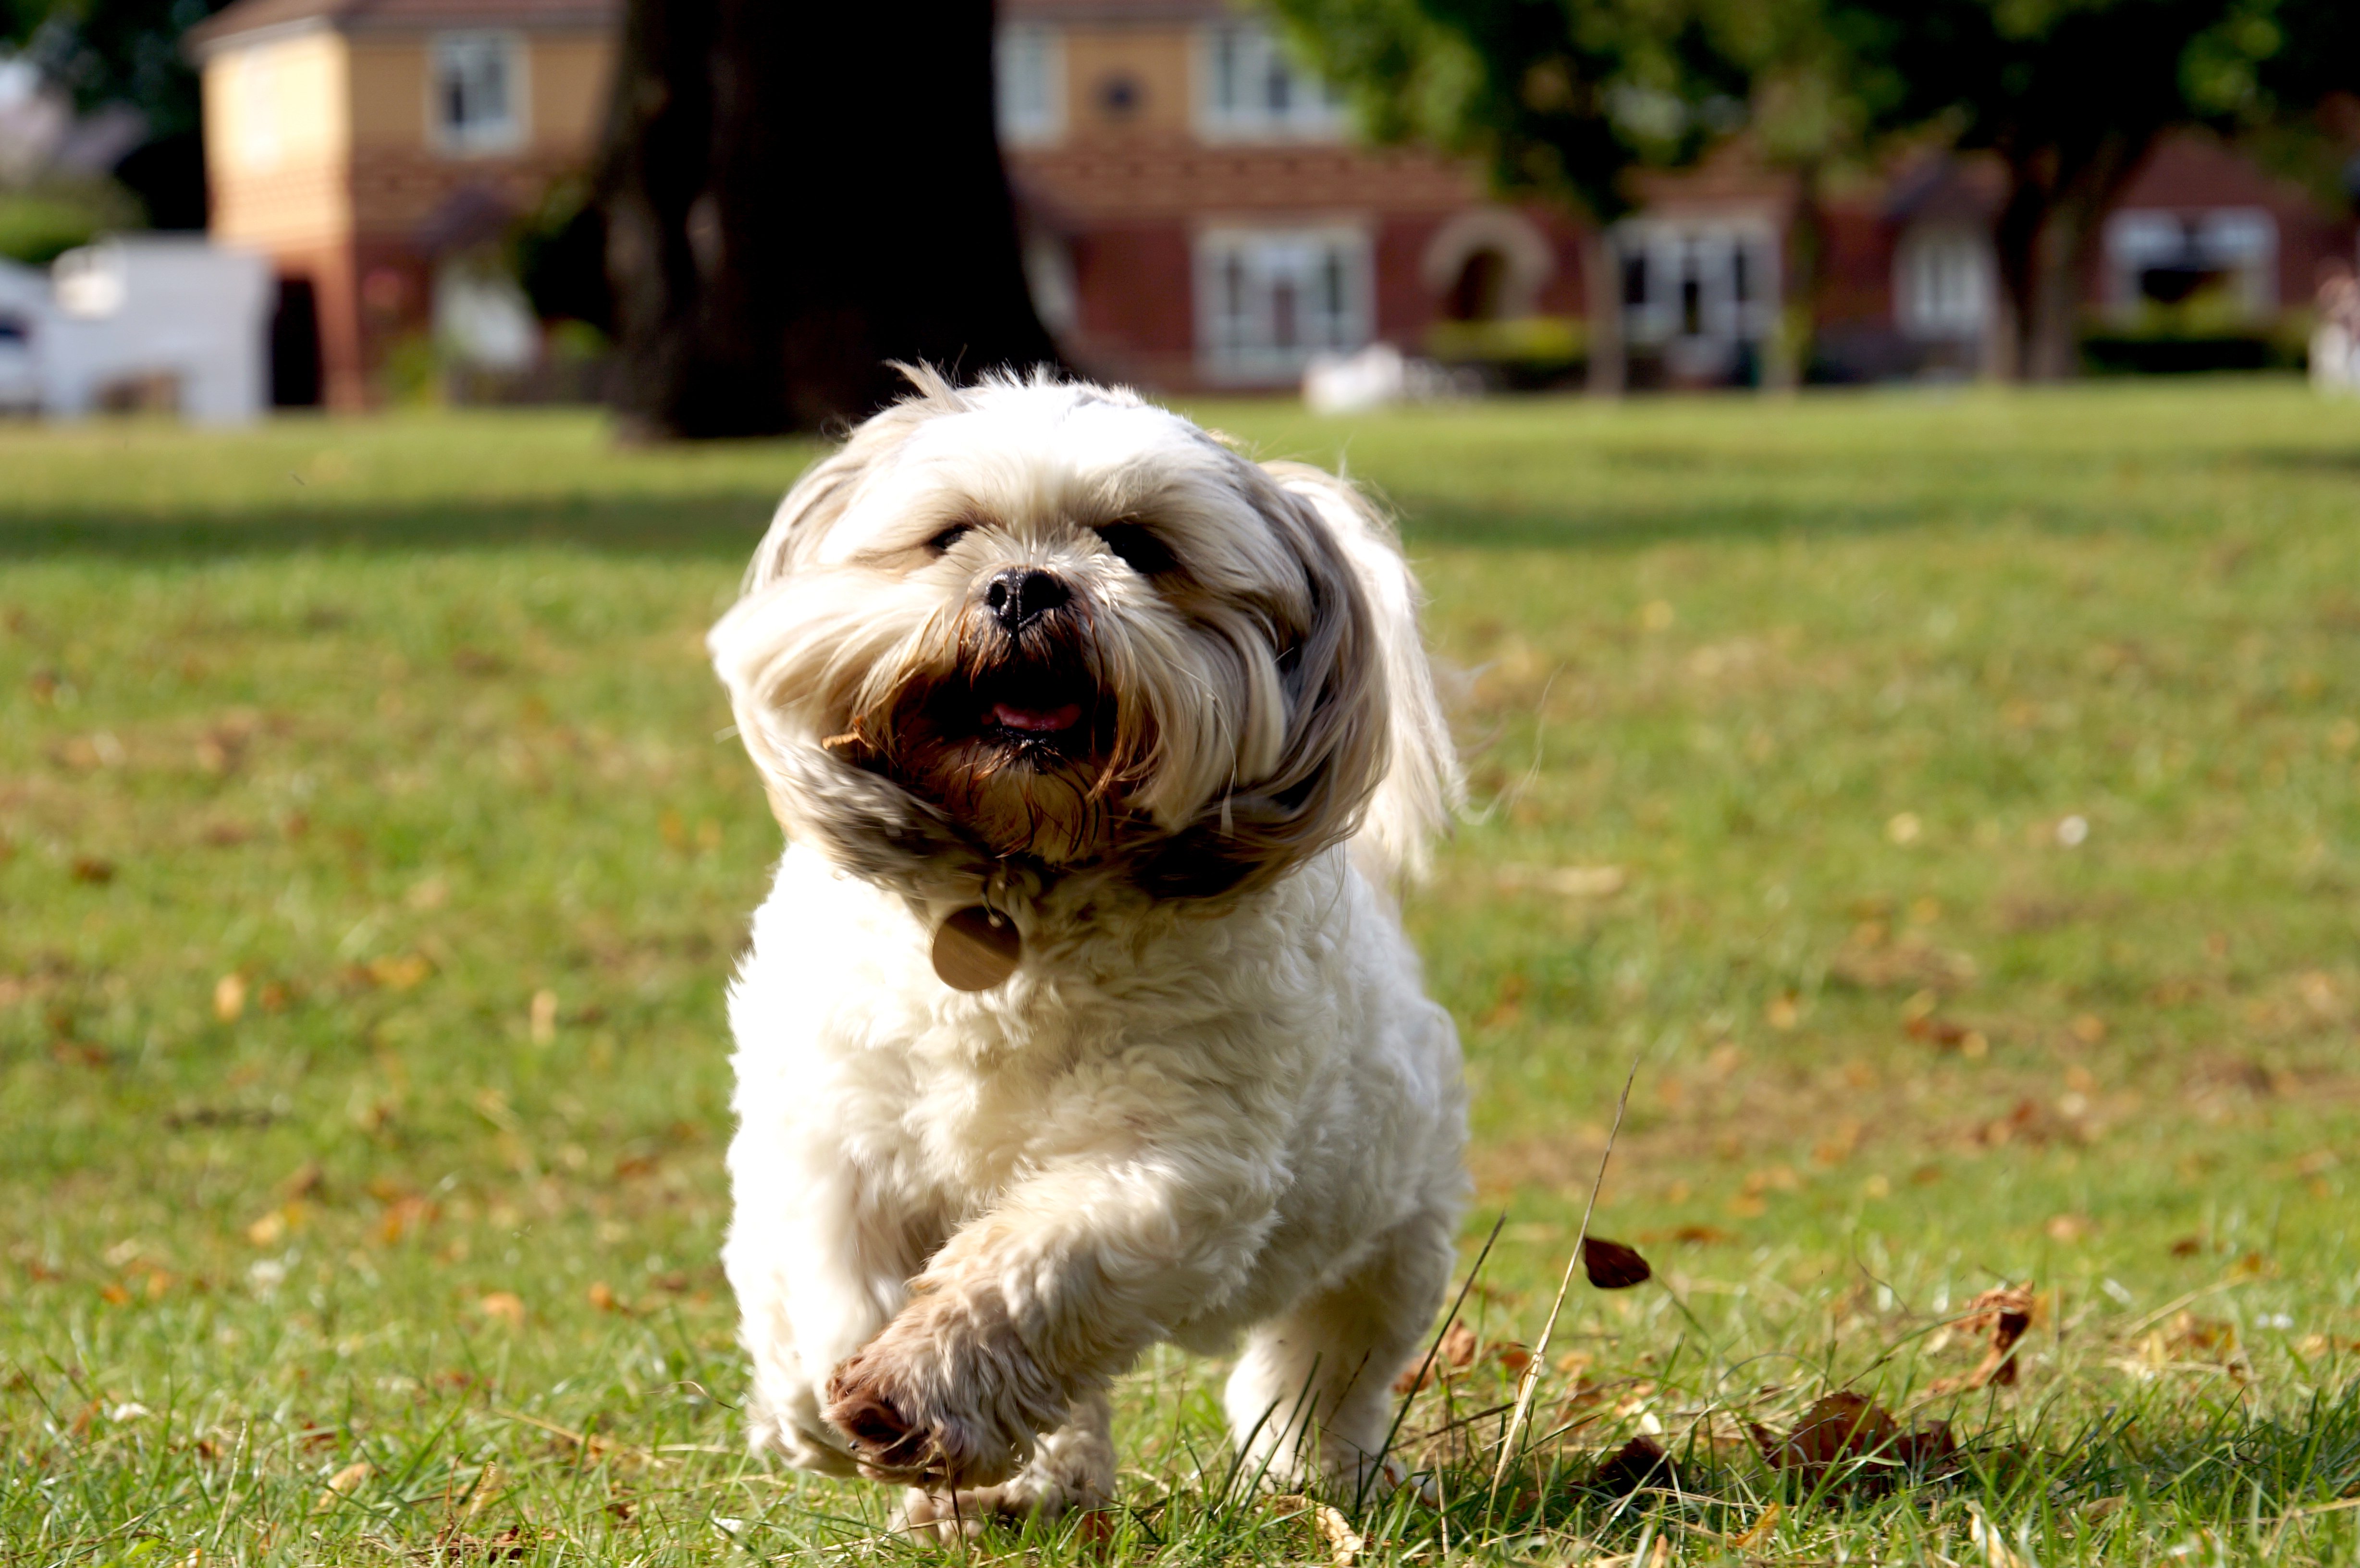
point(1034, 721)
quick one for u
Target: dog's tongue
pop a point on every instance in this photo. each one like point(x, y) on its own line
point(1036, 720)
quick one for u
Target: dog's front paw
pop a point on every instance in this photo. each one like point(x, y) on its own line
point(898, 1433)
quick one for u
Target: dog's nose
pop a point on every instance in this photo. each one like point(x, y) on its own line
point(1023, 595)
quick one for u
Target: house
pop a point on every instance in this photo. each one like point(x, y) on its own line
point(1197, 213)
point(376, 149)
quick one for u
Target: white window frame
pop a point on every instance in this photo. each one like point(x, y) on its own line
point(1669, 248)
point(1945, 283)
point(1238, 271)
point(488, 138)
point(1238, 64)
point(2242, 240)
point(1029, 84)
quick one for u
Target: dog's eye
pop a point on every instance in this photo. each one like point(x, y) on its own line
point(949, 536)
point(1138, 549)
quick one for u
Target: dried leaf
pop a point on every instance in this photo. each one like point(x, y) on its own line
point(2006, 1313)
point(1757, 1535)
point(602, 1297)
point(229, 997)
point(1638, 1463)
point(1613, 1266)
point(399, 974)
point(269, 1230)
point(1839, 1428)
point(343, 1484)
point(1995, 1550)
point(91, 869)
point(502, 1306)
point(1345, 1544)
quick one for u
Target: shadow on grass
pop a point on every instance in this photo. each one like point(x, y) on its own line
point(719, 526)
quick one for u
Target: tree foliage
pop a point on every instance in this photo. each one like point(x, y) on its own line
point(1575, 96)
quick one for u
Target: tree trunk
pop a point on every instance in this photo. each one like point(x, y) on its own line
point(797, 194)
point(1789, 360)
point(1607, 363)
point(2047, 238)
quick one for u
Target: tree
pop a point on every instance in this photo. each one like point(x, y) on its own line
point(129, 52)
point(2071, 96)
point(796, 194)
point(1561, 98)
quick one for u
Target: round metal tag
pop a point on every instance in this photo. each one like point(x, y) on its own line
point(977, 949)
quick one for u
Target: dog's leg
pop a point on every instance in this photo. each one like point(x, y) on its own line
point(813, 1282)
point(1310, 1402)
point(1039, 1303)
point(1071, 1470)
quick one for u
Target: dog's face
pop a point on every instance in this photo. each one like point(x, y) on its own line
point(1077, 627)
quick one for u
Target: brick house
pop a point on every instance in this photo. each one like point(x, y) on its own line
point(371, 147)
point(1198, 217)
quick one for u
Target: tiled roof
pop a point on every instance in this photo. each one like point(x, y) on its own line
point(404, 15)
point(1115, 10)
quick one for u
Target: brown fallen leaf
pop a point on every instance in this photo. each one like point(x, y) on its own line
point(1839, 1428)
point(602, 1297)
point(343, 1484)
point(229, 997)
point(1613, 1266)
point(2005, 1313)
point(1755, 1536)
point(90, 868)
point(1638, 1463)
point(502, 1306)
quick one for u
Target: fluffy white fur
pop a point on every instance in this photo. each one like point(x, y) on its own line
point(1213, 1100)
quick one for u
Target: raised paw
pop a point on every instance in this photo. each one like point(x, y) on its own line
point(897, 1434)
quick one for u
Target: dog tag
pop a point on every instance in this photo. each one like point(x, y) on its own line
point(976, 949)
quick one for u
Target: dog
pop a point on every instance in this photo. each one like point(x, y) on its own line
point(1079, 1016)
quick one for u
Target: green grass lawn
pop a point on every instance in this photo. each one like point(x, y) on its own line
point(1952, 803)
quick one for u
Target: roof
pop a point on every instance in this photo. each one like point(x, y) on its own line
point(402, 16)
point(1133, 11)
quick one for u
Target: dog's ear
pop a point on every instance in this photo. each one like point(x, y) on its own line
point(827, 487)
point(1422, 788)
point(1332, 756)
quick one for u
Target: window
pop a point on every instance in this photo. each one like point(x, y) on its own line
point(1704, 281)
point(1252, 92)
point(1942, 283)
point(478, 92)
point(1267, 300)
point(1030, 69)
point(2221, 262)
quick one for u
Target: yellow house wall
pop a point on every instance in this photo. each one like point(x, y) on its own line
point(277, 143)
point(571, 75)
point(1159, 59)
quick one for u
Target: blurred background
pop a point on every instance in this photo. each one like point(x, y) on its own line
point(722, 216)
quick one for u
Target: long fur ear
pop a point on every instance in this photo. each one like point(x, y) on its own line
point(825, 489)
point(1422, 788)
point(869, 825)
point(1332, 672)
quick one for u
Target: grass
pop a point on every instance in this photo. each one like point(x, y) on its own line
point(1950, 801)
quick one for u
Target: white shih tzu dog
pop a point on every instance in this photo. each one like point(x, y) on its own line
point(1079, 1016)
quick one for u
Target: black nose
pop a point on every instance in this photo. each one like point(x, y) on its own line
point(1023, 595)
